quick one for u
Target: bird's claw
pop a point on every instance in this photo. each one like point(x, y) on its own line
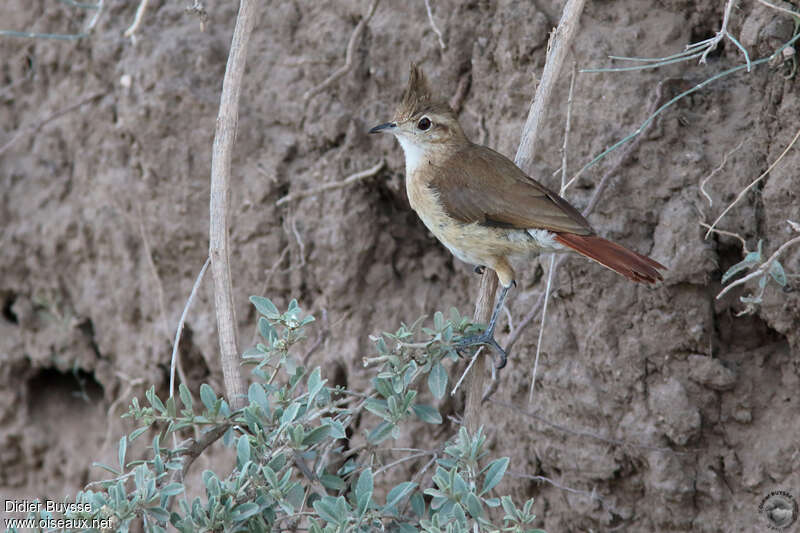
point(485, 339)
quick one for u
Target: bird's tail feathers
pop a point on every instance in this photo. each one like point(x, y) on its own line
point(635, 267)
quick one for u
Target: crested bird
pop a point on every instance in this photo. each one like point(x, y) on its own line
point(484, 208)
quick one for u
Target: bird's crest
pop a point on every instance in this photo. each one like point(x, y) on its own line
point(418, 97)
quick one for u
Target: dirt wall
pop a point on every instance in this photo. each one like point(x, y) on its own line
point(655, 408)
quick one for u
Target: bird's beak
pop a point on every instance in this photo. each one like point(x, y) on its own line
point(386, 126)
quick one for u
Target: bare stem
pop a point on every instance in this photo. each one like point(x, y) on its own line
point(558, 48)
point(219, 250)
point(348, 59)
point(755, 181)
point(349, 180)
point(181, 322)
point(433, 24)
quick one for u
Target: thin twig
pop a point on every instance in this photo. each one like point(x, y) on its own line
point(541, 326)
point(181, 322)
point(788, 11)
point(457, 101)
point(402, 460)
point(558, 46)
point(148, 253)
point(579, 433)
point(592, 494)
point(624, 156)
point(137, 20)
point(677, 98)
point(353, 178)
point(746, 189)
point(729, 234)
point(527, 319)
point(219, 250)
point(762, 269)
point(721, 34)
point(433, 24)
point(349, 55)
point(715, 171)
point(39, 125)
point(466, 371)
point(553, 255)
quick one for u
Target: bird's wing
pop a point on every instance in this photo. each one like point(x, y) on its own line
point(480, 185)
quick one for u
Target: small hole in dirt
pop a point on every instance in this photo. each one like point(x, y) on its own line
point(49, 386)
point(9, 313)
point(703, 33)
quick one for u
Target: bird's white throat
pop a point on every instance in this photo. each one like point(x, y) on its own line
point(415, 155)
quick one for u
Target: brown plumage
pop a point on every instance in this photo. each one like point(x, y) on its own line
point(482, 207)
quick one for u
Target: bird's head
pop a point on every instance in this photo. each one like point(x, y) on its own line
point(423, 122)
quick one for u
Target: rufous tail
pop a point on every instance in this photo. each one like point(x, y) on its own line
point(633, 266)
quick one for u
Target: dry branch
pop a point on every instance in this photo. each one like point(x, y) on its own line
point(560, 44)
point(137, 20)
point(349, 180)
point(348, 59)
point(433, 24)
point(42, 123)
point(744, 191)
point(219, 251)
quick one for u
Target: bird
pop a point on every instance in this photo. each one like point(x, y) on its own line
point(485, 209)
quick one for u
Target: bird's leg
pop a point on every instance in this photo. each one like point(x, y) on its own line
point(487, 337)
point(479, 269)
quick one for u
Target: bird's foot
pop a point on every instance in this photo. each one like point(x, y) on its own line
point(479, 269)
point(485, 339)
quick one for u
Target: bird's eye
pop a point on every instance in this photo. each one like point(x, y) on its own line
point(424, 123)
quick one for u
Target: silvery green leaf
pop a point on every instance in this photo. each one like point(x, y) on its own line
point(364, 488)
point(123, 447)
point(777, 273)
point(265, 306)
point(207, 396)
point(417, 504)
point(243, 450)
point(185, 395)
point(474, 505)
point(750, 260)
point(326, 509)
point(438, 320)
point(138, 432)
point(258, 395)
point(427, 413)
point(437, 380)
point(458, 513)
point(494, 473)
point(290, 413)
point(378, 407)
point(315, 383)
point(318, 434)
point(244, 511)
point(399, 492)
point(329, 481)
point(172, 489)
point(266, 330)
point(380, 433)
point(158, 513)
